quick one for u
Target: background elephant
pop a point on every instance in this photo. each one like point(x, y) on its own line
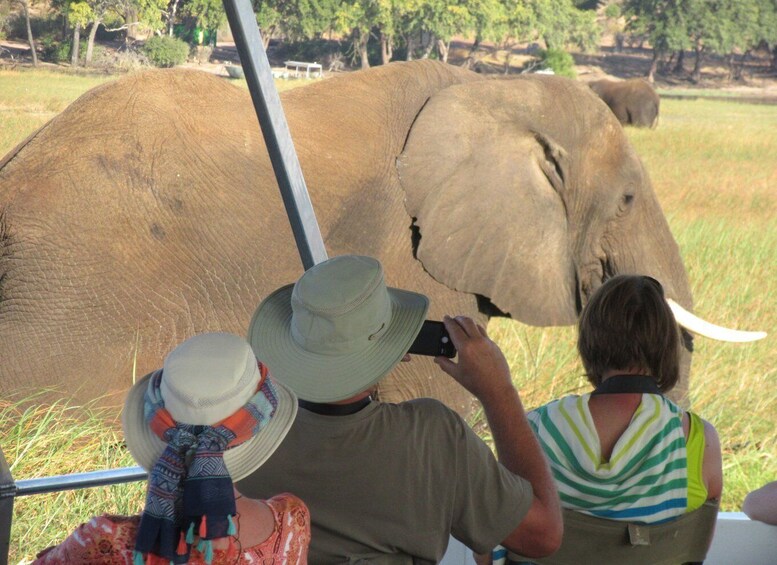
point(148, 211)
point(633, 101)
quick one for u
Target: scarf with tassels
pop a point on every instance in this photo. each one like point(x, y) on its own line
point(189, 488)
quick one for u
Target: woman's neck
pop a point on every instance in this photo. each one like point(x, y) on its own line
point(631, 371)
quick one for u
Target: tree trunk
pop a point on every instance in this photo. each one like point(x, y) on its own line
point(739, 68)
point(131, 17)
point(428, 47)
point(443, 47)
point(653, 66)
point(410, 42)
point(171, 17)
point(90, 42)
point(678, 67)
point(774, 58)
point(266, 36)
point(30, 40)
point(696, 74)
point(469, 62)
point(74, 49)
point(361, 39)
point(508, 59)
point(386, 48)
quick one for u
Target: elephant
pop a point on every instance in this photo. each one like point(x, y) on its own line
point(633, 101)
point(148, 211)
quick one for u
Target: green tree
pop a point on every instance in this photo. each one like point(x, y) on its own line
point(664, 24)
point(518, 25)
point(79, 15)
point(207, 14)
point(489, 20)
point(561, 24)
point(269, 19)
point(440, 20)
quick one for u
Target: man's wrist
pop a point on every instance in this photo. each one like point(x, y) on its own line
point(499, 395)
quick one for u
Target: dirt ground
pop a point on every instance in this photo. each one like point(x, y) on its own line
point(758, 81)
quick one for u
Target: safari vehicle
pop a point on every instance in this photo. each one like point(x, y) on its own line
point(736, 540)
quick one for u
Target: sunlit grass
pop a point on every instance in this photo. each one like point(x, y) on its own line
point(44, 440)
point(714, 167)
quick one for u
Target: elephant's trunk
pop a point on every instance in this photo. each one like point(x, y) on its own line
point(693, 323)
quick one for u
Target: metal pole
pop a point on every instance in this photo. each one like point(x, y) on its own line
point(258, 74)
point(7, 494)
point(75, 481)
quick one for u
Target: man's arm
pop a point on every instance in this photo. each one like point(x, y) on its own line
point(482, 369)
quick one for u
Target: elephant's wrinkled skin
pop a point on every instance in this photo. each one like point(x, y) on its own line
point(633, 101)
point(148, 211)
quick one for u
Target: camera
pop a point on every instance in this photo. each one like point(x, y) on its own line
point(433, 340)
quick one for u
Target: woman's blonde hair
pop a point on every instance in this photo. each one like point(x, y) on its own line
point(627, 324)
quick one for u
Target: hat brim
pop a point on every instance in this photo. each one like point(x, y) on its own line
point(241, 461)
point(328, 378)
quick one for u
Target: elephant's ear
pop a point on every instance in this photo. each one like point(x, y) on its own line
point(485, 190)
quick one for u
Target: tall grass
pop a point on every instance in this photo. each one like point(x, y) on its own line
point(714, 168)
point(43, 440)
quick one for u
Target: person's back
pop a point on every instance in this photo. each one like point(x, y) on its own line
point(388, 481)
point(625, 452)
point(405, 459)
point(212, 414)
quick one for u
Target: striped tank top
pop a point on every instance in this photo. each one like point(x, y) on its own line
point(646, 478)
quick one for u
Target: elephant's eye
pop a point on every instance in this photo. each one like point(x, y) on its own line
point(628, 198)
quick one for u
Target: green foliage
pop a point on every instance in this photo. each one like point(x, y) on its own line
point(208, 14)
point(719, 26)
point(5, 13)
point(54, 51)
point(560, 24)
point(165, 51)
point(559, 61)
point(299, 20)
point(612, 11)
point(80, 13)
point(150, 13)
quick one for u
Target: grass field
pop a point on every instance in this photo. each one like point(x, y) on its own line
point(714, 167)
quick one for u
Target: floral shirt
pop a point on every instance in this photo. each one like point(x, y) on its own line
point(110, 540)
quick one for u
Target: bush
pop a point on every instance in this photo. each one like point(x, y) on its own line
point(165, 51)
point(53, 50)
point(559, 61)
point(129, 60)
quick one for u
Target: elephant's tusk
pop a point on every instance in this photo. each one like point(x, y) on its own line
point(695, 324)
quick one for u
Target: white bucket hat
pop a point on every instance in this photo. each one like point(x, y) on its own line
point(338, 330)
point(206, 379)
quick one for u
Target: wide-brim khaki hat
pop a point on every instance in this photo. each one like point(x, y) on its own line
point(226, 392)
point(338, 330)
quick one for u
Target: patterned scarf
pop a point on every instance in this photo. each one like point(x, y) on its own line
point(189, 486)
